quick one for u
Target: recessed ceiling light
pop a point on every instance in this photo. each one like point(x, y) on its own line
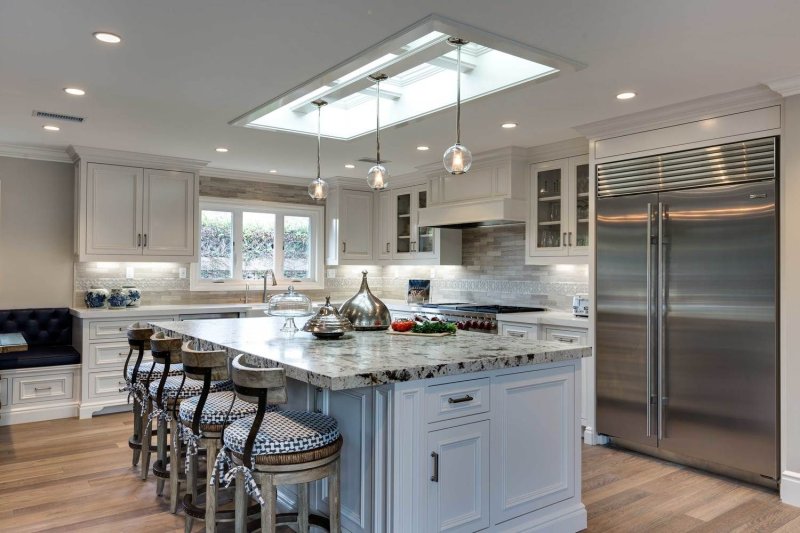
point(51, 127)
point(423, 148)
point(349, 165)
point(222, 149)
point(508, 125)
point(626, 95)
point(74, 91)
point(273, 171)
point(106, 37)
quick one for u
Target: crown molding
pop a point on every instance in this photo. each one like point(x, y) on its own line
point(41, 153)
point(498, 155)
point(558, 150)
point(690, 111)
point(785, 86)
point(121, 157)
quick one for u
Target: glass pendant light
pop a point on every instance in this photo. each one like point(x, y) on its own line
point(318, 188)
point(457, 159)
point(378, 176)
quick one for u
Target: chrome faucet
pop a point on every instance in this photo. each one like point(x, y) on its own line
point(271, 273)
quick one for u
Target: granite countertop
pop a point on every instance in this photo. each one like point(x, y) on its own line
point(150, 310)
point(363, 358)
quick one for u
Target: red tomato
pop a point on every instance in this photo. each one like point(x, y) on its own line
point(402, 325)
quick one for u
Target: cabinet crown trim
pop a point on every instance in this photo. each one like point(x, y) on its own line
point(133, 159)
point(680, 113)
point(786, 86)
point(499, 155)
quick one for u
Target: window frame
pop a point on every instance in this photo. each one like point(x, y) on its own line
point(239, 206)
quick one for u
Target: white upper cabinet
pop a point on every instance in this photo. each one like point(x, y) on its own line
point(383, 221)
point(415, 244)
point(135, 207)
point(558, 222)
point(349, 215)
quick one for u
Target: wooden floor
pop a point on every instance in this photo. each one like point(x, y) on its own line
point(75, 475)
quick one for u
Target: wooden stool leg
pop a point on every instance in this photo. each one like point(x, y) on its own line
point(302, 507)
point(191, 488)
point(147, 427)
point(161, 452)
point(175, 466)
point(137, 430)
point(212, 446)
point(270, 493)
point(241, 505)
point(333, 498)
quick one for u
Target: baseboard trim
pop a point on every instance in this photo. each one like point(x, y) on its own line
point(592, 438)
point(37, 414)
point(790, 488)
point(564, 520)
point(89, 410)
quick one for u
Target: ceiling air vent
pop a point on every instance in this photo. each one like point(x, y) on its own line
point(373, 160)
point(58, 116)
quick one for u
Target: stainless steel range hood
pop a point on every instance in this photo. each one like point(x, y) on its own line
point(484, 212)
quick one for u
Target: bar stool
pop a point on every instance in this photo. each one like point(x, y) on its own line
point(166, 362)
point(138, 338)
point(204, 418)
point(273, 448)
point(175, 390)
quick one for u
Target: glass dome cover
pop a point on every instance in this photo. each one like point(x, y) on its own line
point(328, 323)
point(289, 304)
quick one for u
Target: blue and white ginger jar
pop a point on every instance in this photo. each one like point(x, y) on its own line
point(134, 295)
point(96, 298)
point(118, 299)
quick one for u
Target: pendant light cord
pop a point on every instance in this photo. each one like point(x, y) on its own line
point(458, 95)
point(319, 140)
point(378, 120)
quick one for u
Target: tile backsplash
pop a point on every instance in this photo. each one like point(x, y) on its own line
point(493, 271)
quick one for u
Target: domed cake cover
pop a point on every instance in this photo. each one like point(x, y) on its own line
point(328, 322)
point(289, 304)
point(365, 310)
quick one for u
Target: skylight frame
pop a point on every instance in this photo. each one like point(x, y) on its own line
point(432, 23)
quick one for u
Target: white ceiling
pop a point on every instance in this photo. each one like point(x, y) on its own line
point(186, 68)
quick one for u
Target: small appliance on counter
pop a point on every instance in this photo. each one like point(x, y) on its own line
point(328, 323)
point(580, 305)
point(365, 310)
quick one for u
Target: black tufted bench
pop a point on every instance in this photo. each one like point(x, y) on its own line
point(48, 332)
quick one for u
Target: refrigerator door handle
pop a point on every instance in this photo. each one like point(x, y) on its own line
point(662, 307)
point(649, 333)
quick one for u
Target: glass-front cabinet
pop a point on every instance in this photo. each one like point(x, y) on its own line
point(412, 241)
point(559, 209)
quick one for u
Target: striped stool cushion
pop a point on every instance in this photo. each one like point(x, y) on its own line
point(283, 432)
point(216, 408)
point(144, 369)
point(192, 387)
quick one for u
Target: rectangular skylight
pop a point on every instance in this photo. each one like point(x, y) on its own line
point(421, 66)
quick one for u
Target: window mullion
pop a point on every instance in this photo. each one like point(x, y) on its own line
point(279, 245)
point(238, 248)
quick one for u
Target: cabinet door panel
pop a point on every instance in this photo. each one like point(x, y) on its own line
point(169, 213)
point(114, 210)
point(529, 440)
point(356, 230)
point(578, 211)
point(548, 224)
point(458, 494)
point(384, 225)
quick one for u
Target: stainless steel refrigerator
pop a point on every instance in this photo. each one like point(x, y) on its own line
point(686, 279)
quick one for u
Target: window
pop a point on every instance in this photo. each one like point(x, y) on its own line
point(241, 240)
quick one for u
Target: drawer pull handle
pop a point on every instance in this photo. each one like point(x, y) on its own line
point(37, 389)
point(516, 333)
point(122, 354)
point(121, 383)
point(466, 398)
point(120, 329)
point(435, 476)
point(565, 339)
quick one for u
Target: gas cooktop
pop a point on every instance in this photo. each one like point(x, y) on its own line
point(495, 309)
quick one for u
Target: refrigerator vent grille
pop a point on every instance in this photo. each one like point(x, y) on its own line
point(701, 167)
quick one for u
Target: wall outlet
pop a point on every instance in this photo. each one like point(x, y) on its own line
point(129, 272)
point(331, 272)
point(182, 272)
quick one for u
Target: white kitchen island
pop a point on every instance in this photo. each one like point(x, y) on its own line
point(463, 433)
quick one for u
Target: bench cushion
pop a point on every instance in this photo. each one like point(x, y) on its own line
point(39, 356)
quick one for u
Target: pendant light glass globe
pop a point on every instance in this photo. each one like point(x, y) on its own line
point(318, 188)
point(378, 177)
point(457, 159)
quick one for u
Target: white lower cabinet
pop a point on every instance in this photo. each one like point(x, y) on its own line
point(522, 331)
point(526, 440)
point(34, 394)
point(458, 495)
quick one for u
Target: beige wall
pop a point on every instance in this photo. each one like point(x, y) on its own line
point(790, 291)
point(35, 233)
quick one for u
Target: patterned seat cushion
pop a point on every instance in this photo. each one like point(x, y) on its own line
point(192, 387)
point(144, 369)
point(283, 432)
point(216, 408)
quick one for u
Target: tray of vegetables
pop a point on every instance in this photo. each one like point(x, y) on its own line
point(426, 328)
